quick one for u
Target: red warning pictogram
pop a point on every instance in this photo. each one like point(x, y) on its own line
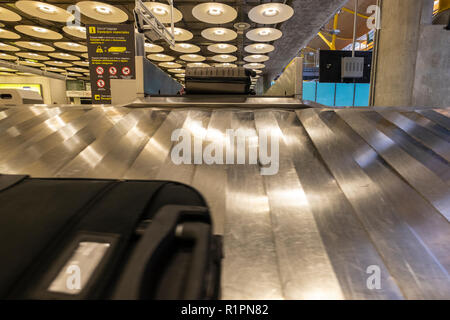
point(112, 71)
point(126, 71)
point(99, 70)
point(101, 83)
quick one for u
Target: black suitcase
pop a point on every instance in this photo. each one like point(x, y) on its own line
point(105, 239)
point(218, 80)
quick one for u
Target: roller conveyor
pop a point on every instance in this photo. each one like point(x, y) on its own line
point(355, 188)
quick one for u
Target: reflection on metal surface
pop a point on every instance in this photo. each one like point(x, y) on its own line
point(355, 188)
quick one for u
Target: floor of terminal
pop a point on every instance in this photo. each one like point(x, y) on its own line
point(358, 192)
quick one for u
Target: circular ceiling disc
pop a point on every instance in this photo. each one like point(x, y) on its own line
point(38, 32)
point(63, 56)
point(71, 46)
point(5, 56)
point(222, 48)
point(30, 55)
point(81, 63)
point(264, 34)
point(259, 48)
point(225, 65)
point(256, 58)
point(180, 75)
point(85, 55)
point(170, 65)
point(58, 64)
point(214, 12)
point(197, 65)
point(160, 57)
point(270, 13)
point(73, 74)
point(219, 34)
point(175, 70)
point(79, 32)
point(258, 71)
point(224, 58)
point(31, 64)
point(254, 66)
point(44, 11)
point(53, 69)
point(153, 48)
point(101, 11)
point(35, 46)
point(5, 34)
point(7, 47)
point(181, 34)
point(8, 15)
point(185, 48)
point(80, 70)
point(192, 58)
point(162, 12)
point(25, 74)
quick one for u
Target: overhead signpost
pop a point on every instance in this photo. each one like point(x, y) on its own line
point(112, 52)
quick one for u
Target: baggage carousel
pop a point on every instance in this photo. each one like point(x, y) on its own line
point(359, 192)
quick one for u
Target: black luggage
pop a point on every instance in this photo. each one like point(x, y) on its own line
point(105, 239)
point(218, 80)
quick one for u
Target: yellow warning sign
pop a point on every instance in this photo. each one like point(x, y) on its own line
point(92, 30)
point(99, 49)
point(97, 97)
point(117, 49)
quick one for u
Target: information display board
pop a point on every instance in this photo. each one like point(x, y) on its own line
point(111, 49)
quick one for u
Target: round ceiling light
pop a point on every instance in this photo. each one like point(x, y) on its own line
point(7, 69)
point(225, 65)
point(63, 56)
point(73, 74)
point(181, 34)
point(7, 47)
point(219, 34)
point(76, 69)
point(160, 57)
point(54, 69)
point(5, 34)
point(214, 12)
point(256, 58)
point(31, 63)
point(153, 48)
point(192, 58)
point(254, 65)
point(224, 58)
point(185, 48)
point(55, 63)
point(35, 46)
point(30, 55)
point(5, 56)
point(162, 12)
point(38, 32)
point(81, 63)
point(71, 46)
point(101, 11)
point(8, 15)
point(176, 70)
point(26, 74)
point(271, 13)
point(259, 48)
point(222, 48)
point(197, 65)
point(264, 34)
point(170, 65)
point(44, 11)
point(76, 31)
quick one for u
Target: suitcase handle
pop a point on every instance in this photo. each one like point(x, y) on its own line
point(170, 221)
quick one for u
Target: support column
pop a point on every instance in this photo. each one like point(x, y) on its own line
point(398, 42)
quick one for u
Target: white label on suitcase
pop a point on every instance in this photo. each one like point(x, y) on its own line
point(77, 271)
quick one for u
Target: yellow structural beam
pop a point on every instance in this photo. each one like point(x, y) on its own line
point(335, 26)
point(443, 5)
point(328, 42)
point(353, 12)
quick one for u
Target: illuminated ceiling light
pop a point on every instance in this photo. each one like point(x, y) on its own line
point(219, 32)
point(81, 29)
point(39, 29)
point(73, 44)
point(215, 11)
point(46, 8)
point(103, 10)
point(264, 32)
point(223, 46)
point(160, 11)
point(259, 46)
point(270, 12)
point(149, 45)
point(36, 44)
point(177, 32)
point(192, 55)
point(64, 55)
point(224, 56)
point(160, 55)
point(257, 56)
point(185, 45)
